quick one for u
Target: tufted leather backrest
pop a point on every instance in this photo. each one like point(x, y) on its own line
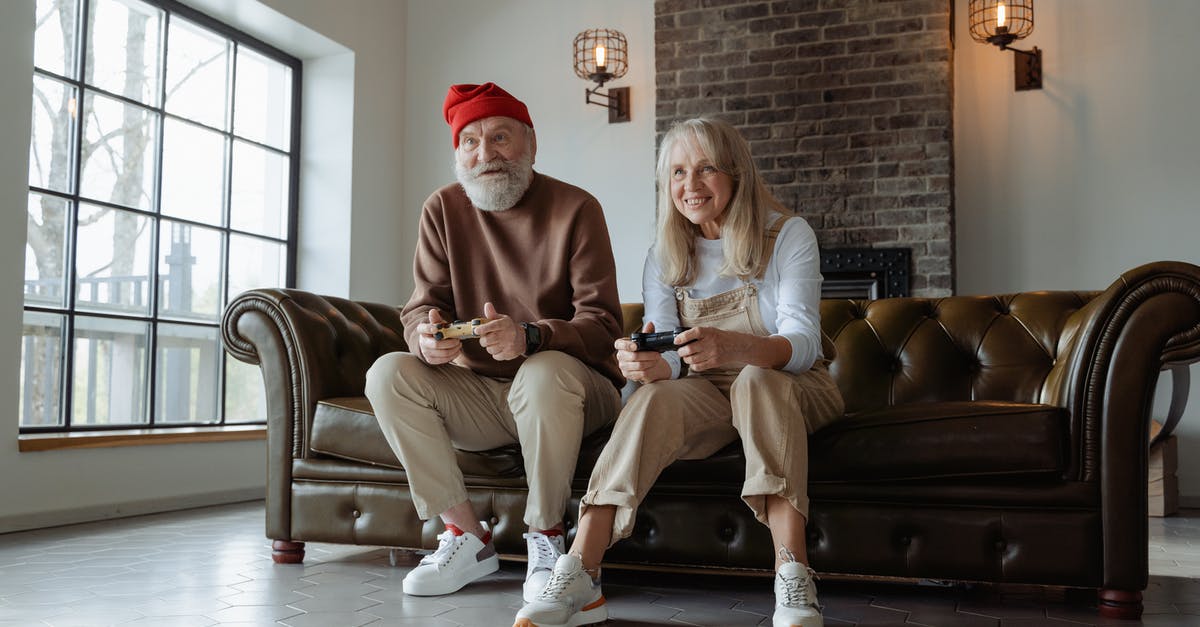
point(961, 348)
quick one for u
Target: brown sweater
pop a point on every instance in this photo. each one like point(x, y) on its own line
point(546, 260)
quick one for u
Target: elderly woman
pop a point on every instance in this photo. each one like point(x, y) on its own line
point(730, 264)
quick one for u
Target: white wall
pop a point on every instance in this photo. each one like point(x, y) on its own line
point(1069, 186)
point(353, 133)
point(526, 48)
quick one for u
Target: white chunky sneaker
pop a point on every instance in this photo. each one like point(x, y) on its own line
point(570, 599)
point(544, 551)
point(796, 596)
point(460, 558)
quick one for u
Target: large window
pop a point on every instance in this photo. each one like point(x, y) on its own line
point(162, 182)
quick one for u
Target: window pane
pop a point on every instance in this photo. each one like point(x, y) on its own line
point(245, 395)
point(109, 373)
point(197, 73)
point(118, 152)
point(193, 179)
point(46, 250)
point(260, 191)
point(54, 41)
point(113, 260)
point(254, 263)
point(189, 267)
point(186, 374)
point(50, 154)
point(41, 370)
point(123, 49)
point(262, 108)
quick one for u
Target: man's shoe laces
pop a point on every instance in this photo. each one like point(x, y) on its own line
point(446, 549)
point(544, 552)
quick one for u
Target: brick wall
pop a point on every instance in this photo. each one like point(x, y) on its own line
point(846, 104)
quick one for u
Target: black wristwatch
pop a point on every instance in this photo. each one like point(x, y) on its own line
point(533, 337)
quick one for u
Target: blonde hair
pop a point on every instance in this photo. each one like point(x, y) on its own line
point(745, 216)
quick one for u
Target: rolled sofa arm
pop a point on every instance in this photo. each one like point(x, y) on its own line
point(310, 347)
point(1111, 351)
point(1110, 356)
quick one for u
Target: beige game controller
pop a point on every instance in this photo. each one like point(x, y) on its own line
point(459, 329)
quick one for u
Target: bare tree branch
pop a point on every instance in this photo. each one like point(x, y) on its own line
point(192, 72)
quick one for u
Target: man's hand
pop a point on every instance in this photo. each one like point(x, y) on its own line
point(433, 350)
point(641, 366)
point(712, 348)
point(503, 338)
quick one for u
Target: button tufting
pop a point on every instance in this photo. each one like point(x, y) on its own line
point(356, 513)
point(727, 533)
point(905, 540)
point(1001, 545)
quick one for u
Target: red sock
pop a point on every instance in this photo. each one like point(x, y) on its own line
point(487, 536)
point(551, 532)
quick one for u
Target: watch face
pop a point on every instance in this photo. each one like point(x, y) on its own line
point(533, 337)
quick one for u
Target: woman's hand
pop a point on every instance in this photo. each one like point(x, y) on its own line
point(641, 366)
point(709, 348)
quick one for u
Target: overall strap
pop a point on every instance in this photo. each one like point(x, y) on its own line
point(769, 238)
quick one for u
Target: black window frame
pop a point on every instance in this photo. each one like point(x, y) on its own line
point(70, 311)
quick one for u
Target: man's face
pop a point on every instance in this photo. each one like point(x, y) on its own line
point(494, 162)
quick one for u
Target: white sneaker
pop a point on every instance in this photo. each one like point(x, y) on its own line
point(796, 597)
point(460, 558)
point(570, 599)
point(544, 551)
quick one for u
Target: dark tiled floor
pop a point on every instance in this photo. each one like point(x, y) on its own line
point(212, 567)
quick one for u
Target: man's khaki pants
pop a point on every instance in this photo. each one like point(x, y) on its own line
point(426, 412)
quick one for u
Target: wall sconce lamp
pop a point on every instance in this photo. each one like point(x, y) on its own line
point(601, 55)
point(1002, 22)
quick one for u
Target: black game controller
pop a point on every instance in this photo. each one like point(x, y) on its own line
point(660, 342)
point(459, 329)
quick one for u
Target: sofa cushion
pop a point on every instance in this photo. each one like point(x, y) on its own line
point(941, 440)
point(346, 428)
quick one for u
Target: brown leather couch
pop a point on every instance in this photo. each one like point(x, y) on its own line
point(988, 438)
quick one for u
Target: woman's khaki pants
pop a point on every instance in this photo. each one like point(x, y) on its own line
point(692, 417)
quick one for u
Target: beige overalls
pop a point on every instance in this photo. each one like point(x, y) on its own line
point(694, 416)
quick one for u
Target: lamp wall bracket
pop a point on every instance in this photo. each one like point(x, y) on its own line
point(616, 101)
point(1027, 68)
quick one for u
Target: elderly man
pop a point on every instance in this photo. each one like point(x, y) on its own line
point(531, 255)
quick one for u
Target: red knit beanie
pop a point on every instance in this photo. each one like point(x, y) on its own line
point(467, 103)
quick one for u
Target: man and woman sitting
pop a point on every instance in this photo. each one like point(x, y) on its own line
point(532, 255)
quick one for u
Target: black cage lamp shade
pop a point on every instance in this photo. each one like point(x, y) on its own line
point(601, 54)
point(1001, 22)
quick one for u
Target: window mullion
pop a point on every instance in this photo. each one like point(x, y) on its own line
point(156, 239)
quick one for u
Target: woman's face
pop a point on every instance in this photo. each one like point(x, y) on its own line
point(701, 193)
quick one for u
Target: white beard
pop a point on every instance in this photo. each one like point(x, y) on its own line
point(496, 193)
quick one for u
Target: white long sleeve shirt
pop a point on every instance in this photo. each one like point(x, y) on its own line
point(789, 294)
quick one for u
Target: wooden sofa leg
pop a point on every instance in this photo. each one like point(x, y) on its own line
point(1124, 604)
point(287, 552)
